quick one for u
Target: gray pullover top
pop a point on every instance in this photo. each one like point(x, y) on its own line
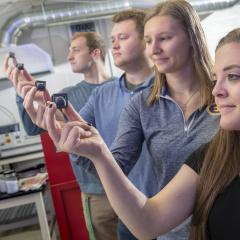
point(170, 139)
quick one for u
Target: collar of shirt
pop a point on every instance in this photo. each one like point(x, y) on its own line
point(165, 94)
point(147, 83)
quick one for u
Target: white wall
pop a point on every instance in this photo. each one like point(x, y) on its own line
point(218, 24)
point(55, 41)
point(7, 100)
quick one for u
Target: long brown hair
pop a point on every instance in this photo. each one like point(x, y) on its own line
point(221, 165)
point(183, 12)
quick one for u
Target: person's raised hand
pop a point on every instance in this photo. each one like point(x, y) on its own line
point(75, 136)
point(22, 81)
point(36, 108)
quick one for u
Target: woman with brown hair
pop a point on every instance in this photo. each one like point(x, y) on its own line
point(216, 214)
point(207, 185)
point(172, 117)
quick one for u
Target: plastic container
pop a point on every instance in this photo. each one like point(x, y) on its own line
point(3, 188)
point(11, 182)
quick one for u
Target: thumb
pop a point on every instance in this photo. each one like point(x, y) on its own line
point(72, 114)
point(46, 96)
point(50, 118)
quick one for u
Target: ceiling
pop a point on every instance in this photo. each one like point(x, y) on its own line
point(11, 9)
point(38, 2)
point(8, 5)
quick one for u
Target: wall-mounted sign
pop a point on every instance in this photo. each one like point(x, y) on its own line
point(83, 27)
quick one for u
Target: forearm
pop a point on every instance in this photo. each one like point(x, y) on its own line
point(127, 145)
point(147, 218)
point(30, 128)
point(127, 201)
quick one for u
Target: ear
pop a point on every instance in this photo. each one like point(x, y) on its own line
point(96, 54)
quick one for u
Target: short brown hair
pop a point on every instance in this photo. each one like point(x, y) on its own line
point(93, 40)
point(137, 15)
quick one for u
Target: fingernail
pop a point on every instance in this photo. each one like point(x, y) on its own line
point(50, 105)
point(89, 124)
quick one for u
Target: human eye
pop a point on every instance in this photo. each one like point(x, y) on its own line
point(214, 77)
point(165, 38)
point(214, 82)
point(123, 36)
point(76, 50)
point(147, 40)
point(112, 40)
point(233, 77)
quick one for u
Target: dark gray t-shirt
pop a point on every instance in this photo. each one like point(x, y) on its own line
point(224, 216)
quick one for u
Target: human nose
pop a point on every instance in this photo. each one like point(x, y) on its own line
point(219, 89)
point(69, 56)
point(153, 48)
point(115, 44)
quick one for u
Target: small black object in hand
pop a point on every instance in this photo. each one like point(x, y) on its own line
point(11, 54)
point(20, 66)
point(60, 99)
point(40, 85)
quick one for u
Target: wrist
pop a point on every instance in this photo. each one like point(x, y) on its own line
point(103, 154)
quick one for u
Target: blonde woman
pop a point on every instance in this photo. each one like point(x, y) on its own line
point(174, 117)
